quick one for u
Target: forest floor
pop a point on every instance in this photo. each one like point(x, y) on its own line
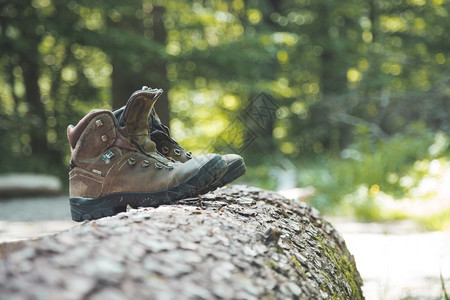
point(397, 260)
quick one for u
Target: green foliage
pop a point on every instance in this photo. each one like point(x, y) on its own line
point(435, 221)
point(371, 169)
point(362, 89)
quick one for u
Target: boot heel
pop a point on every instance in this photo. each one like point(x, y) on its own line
point(83, 209)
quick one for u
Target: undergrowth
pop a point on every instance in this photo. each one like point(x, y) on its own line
point(361, 179)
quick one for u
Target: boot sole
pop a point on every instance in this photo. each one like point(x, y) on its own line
point(108, 205)
point(235, 170)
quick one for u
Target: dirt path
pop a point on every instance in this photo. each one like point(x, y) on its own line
point(25, 218)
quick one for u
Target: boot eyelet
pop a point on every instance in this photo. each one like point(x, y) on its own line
point(189, 155)
point(165, 149)
point(107, 157)
point(169, 167)
point(145, 163)
point(177, 152)
point(158, 166)
point(132, 161)
point(99, 123)
point(104, 138)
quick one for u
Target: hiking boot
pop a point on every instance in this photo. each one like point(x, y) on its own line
point(169, 148)
point(108, 172)
point(135, 117)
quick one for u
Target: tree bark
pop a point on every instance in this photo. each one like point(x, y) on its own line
point(235, 243)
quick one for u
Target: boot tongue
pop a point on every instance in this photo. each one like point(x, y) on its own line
point(135, 118)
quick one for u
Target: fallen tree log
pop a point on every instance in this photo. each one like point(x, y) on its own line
point(20, 185)
point(236, 243)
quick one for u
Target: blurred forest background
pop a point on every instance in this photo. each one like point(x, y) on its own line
point(361, 88)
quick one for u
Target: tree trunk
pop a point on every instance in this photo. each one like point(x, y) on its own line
point(126, 79)
point(158, 66)
point(235, 243)
point(128, 74)
point(36, 111)
point(123, 84)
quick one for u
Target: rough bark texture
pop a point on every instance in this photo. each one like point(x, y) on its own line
point(236, 243)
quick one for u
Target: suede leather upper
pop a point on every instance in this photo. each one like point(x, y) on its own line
point(105, 162)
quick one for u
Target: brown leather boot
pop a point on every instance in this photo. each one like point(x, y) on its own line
point(108, 172)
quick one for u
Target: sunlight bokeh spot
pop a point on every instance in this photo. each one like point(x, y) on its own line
point(440, 58)
point(230, 102)
point(374, 189)
point(200, 82)
point(236, 30)
point(282, 112)
point(115, 15)
point(282, 56)
point(173, 48)
point(353, 75)
point(367, 36)
point(365, 23)
point(393, 24)
point(406, 181)
point(287, 148)
point(279, 132)
point(51, 136)
point(69, 75)
point(298, 107)
point(40, 3)
point(392, 178)
point(286, 38)
point(396, 69)
point(45, 84)
point(392, 68)
point(363, 64)
point(254, 16)
point(25, 138)
point(238, 4)
point(417, 2)
point(177, 128)
point(419, 26)
point(47, 43)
